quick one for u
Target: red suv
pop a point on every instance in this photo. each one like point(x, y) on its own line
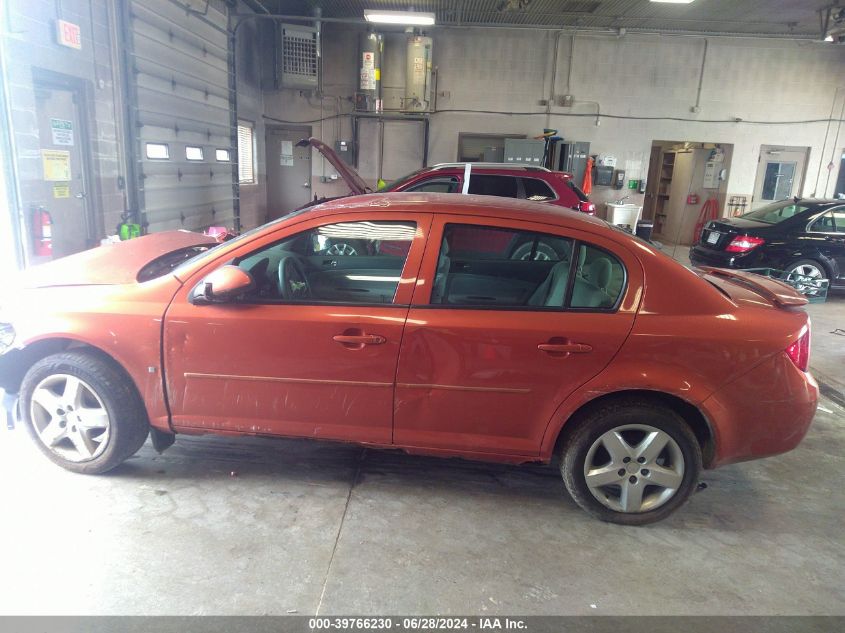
point(505, 180)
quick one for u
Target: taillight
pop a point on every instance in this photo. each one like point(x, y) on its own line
point(587, 207)
point(799, 351)
point(744, 243)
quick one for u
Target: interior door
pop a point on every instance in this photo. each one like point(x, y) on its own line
point(780, 173)
point(485, 370)
point(62, 188)
point(293, 359)
point(288, 170)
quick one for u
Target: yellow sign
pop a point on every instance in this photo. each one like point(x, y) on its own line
point(56, 164)
point(61, 190)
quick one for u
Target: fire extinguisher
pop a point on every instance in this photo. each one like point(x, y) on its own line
point(42, 232)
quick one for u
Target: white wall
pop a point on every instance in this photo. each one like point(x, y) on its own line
point(636, 75)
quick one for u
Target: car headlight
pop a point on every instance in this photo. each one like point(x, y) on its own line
point(7, 336)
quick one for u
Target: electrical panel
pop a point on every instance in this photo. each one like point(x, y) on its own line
point(524, 151)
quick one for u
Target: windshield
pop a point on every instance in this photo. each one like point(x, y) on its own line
point(241, 238)
point(776, 212)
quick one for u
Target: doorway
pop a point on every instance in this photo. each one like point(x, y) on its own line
point(288, 170)
point(63, 187)
point(780, 174)
point(682, 177)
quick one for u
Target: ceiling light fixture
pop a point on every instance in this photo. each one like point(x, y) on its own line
point(829, 38)
point(410, 18)
point(674, 1)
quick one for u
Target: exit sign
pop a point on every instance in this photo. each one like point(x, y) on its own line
point(69, 34)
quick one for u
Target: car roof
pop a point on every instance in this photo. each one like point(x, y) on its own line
point(462, 204)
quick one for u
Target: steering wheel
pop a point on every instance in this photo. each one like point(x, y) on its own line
point(293, 284)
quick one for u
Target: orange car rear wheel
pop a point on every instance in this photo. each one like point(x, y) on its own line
point(631, 462)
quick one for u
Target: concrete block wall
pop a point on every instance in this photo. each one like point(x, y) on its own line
point(510, 70)
point(31, 47)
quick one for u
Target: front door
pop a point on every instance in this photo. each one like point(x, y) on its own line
point(61, 189)
point(288, 170)
point(780, 174)
point(519, 316)
point(312, 350)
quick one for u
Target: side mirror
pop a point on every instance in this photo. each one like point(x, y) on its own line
point(224, 284)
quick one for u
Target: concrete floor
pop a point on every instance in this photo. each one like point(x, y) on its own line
point(247, 526)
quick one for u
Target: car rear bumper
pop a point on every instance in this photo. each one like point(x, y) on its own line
point(765, 412)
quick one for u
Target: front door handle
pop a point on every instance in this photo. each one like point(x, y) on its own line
point(565, 348)
point(359, 340)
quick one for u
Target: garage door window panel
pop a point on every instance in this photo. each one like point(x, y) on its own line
point(340, 263)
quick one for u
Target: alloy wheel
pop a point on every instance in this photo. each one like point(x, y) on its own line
point(69, 418)
point(634, 468)
point(810, 275)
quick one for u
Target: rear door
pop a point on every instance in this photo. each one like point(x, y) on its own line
point(493, 345)
point(827, 234)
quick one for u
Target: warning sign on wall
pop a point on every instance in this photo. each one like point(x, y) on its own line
point(62, 131)
point(61, 190)
point(286, 155)
point(56, 164)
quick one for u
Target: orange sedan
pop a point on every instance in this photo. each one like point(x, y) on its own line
point(477, 327)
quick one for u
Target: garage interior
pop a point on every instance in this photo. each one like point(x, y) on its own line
point(140, 116)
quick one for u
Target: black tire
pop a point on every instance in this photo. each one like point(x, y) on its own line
point(814, 264)
point(622, 413)
point(128, 425)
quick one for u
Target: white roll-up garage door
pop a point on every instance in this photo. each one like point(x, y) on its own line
point(180, 102)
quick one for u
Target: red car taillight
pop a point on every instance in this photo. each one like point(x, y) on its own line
point(744, 243)
point(799, 351)
point(587, 207)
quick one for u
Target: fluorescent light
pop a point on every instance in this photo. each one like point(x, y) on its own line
point(829, 38)
point(674, 1)
point(412, 18)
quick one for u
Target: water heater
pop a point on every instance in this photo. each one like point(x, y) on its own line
point(418, 74)
point(368, 96)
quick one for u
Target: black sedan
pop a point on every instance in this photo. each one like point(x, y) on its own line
point(802, 237)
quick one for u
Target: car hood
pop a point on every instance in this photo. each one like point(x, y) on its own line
point(111, 264)
point(356, 184)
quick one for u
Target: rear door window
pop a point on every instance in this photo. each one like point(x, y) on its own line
point(839, 219)
point(824, 224)
point(494, 267)
point(491, 185)
point(538, 190)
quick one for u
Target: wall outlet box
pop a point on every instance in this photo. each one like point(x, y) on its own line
point(695, 109)
point(565, 101)
point(543, 102)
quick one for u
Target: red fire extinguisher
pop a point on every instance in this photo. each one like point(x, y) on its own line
point(42, 232)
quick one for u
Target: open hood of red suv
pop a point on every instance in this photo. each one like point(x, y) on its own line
point(351, 177)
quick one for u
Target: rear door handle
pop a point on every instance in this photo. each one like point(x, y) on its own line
point(564, 348)
point(359, 339)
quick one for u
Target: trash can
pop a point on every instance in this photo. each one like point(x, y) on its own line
point(644, 229)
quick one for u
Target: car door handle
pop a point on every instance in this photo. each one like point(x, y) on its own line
point(359, 339)
point(565, 348)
